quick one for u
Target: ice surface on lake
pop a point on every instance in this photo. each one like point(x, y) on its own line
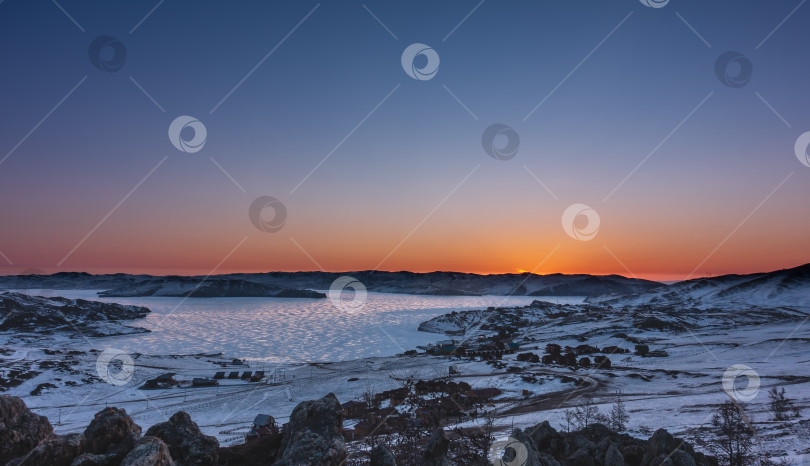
point(291, 330)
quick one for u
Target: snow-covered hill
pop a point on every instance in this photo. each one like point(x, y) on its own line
point(781, 288)
point(212, 288)
point(433, 283)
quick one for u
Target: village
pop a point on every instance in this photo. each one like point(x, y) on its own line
point(419, 404)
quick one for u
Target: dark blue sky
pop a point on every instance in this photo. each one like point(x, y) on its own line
point(411, 187)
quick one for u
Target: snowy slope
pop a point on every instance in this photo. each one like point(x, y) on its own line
point(782, 288)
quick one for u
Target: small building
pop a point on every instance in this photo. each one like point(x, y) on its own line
point(363, 428)
point(219, 375)
point(246, 375)
point(263, 420)
point(444, 347)
point(354, 409)
point(483, 393)
point(203, 382)
point(263, 425)
point(233, 375)
point(257, 376)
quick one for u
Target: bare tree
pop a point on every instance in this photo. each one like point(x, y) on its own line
point(782, 407)
point(370, 396)
point(569, 419)
point(618, 414)
point(585, 412)
point(734, 439)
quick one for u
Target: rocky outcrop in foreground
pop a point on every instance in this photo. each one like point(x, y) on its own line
point(597, 445)
point(312, 437)
point(20, 429)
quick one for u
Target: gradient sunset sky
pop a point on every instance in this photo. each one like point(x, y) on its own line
point(309, 103)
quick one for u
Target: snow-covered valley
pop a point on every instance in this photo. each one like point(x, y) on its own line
point(667, 360)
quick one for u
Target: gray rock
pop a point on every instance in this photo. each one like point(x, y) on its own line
point(93, 459)
point(547, 460)
point(381, 456)
point(436, 451)
point(111, 432)
point(663, 448)
point(56, 451)
point(150, 451)
point(613, 457)
point(545, 437)
point(187, 445)
point(20, 429)
point(313, 435)
point(527, 454)
point(582, 457)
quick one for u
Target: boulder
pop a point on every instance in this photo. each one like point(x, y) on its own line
point(663, 448)
point(150, 451)
point(262, 450)
point(93, 459)
point(382, 456)
point(56, 451)
point(187, 445)
point(111, 433)
point(525, 451)
point(436, 451)
point(613, 457)
point(20, 430)
point(546, 438)
point(313, 435)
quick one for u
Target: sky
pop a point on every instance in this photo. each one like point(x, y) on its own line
point(626, 144)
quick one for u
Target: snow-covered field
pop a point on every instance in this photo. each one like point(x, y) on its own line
point(309, 349)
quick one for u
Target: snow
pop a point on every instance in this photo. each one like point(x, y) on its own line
point(678, 392)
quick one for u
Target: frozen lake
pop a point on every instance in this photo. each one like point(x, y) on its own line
point(290, 330)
